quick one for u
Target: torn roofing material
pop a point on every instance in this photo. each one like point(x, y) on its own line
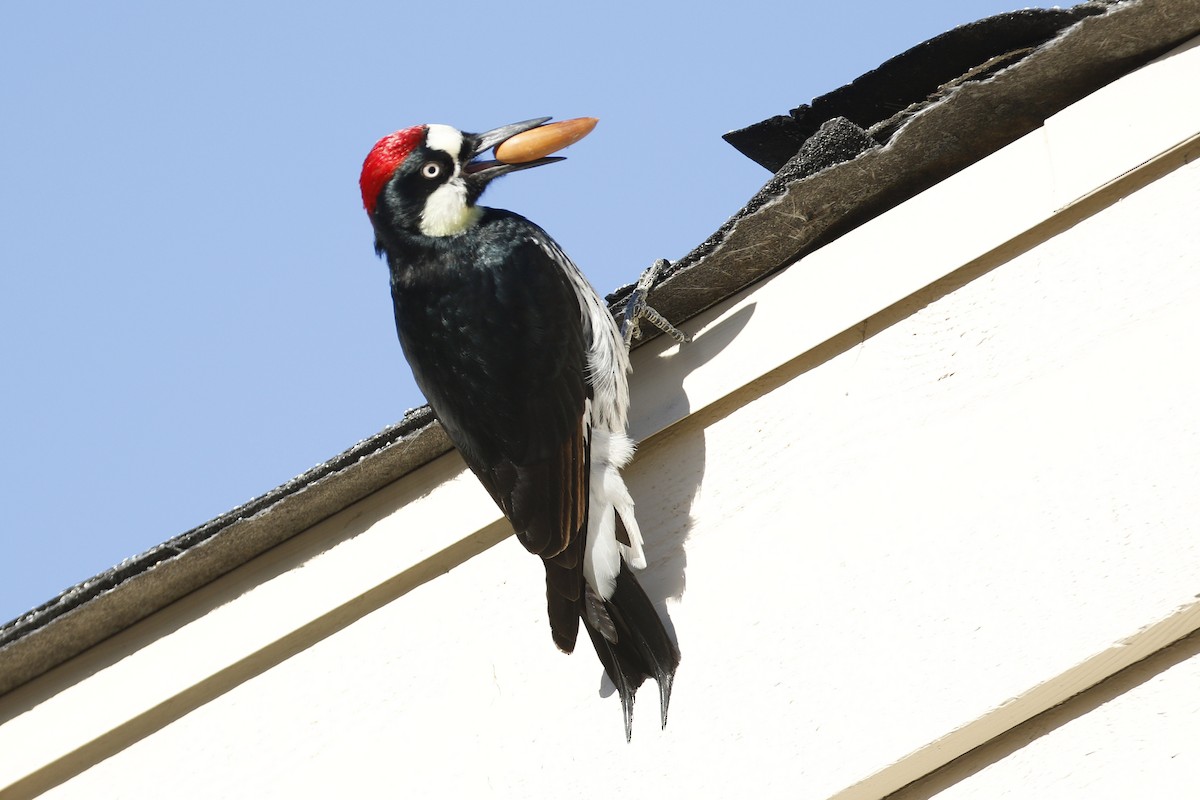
point(839, 176)
point(912, 78)
point(816, 196)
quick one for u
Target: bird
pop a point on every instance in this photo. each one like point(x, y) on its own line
point(527, 371)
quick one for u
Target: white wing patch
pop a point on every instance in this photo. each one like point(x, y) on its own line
point(609, 497)
point(605, 418)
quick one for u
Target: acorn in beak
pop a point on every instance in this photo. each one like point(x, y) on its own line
point(523, 145)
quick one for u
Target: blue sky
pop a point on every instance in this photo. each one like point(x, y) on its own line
point(190, 309)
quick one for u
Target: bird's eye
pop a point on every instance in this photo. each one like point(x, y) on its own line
point(431, 170)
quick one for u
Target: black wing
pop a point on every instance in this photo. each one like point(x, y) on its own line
point(497, 346)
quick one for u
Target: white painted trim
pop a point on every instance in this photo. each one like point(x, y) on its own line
point(1130, 136)
point(374, 545)
point(1039, 698)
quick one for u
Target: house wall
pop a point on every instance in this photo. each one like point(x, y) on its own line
point(879, 548)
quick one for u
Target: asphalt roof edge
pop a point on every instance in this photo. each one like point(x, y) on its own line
point(101, 606)
point(812, 210)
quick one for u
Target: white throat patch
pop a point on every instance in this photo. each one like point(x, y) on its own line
point(446, 211)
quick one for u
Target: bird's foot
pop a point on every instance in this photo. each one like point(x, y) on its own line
point(637, 310)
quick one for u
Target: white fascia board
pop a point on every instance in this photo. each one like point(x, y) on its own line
point(1026, 706)
point(438, 516)
point(975, 212)
point(1113, 131)
point(345, 566)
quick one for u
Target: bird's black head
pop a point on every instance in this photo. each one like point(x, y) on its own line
point(424, 181)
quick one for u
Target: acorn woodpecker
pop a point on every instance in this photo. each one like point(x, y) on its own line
point(526, 370)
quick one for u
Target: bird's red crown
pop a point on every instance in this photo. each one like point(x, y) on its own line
point(387, 154)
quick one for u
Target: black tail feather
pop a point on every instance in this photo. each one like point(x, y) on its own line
point(642, 649)
point(624, 675)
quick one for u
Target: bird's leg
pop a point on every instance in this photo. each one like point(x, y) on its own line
point(636, 309)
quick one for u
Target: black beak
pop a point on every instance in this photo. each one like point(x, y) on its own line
point(486, 141)
point(481, 172)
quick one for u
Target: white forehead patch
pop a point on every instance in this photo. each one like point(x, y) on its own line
point(444, 138)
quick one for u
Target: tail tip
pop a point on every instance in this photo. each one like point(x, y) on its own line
point(627, 708)
point(664, 695)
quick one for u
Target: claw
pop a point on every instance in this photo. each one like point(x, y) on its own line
point(637, 310)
